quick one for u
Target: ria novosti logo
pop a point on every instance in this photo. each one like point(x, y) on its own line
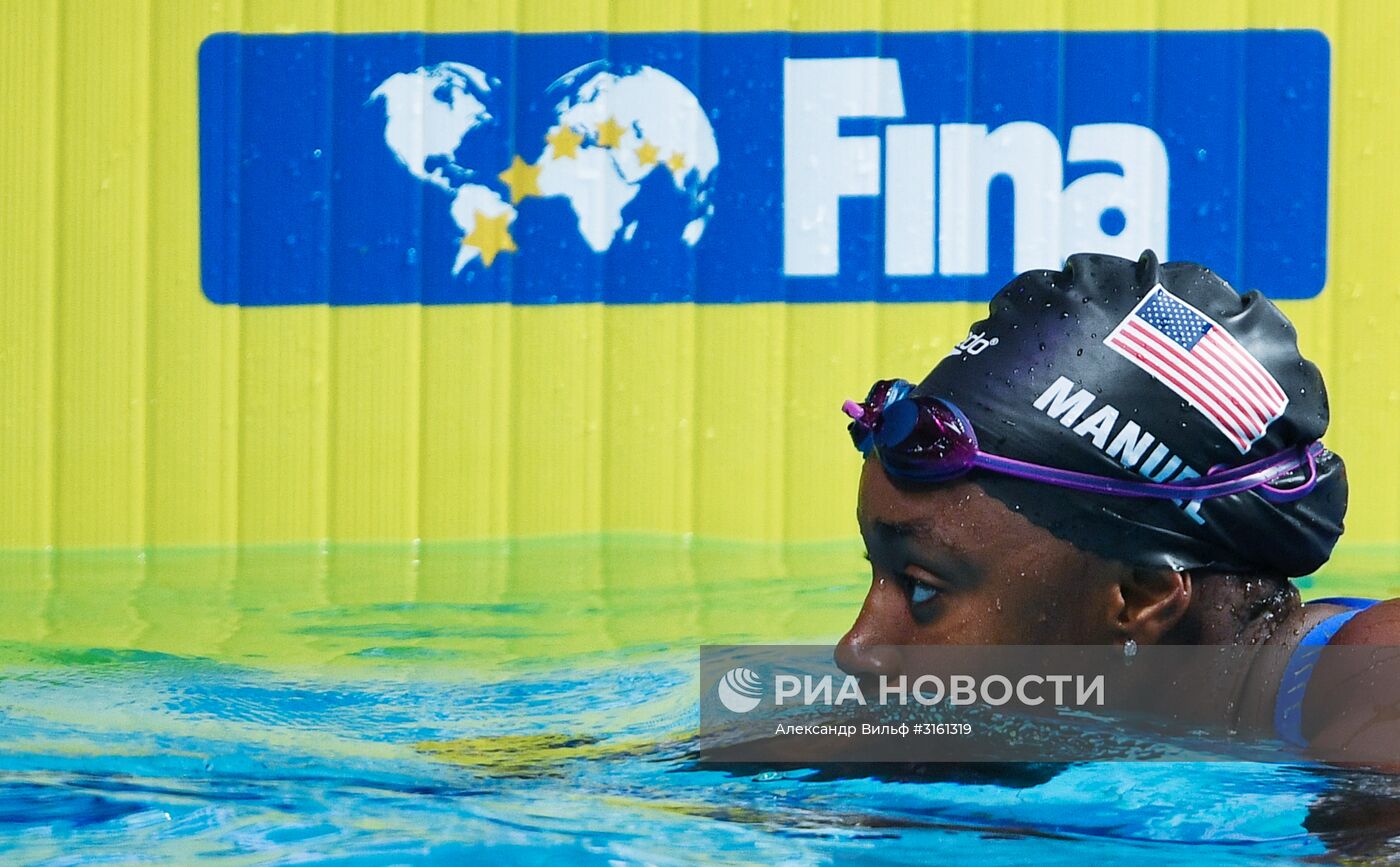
point(740, 690)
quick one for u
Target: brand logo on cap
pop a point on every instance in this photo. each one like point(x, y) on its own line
point(975, 343)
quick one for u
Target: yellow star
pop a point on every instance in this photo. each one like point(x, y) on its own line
point(565, 142)
point(490, 235)
point(647, 153)
point(610, 133)
point(677, 161)
point(522, 178)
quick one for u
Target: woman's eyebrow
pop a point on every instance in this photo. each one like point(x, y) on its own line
point(921, 530)
point(926, 534)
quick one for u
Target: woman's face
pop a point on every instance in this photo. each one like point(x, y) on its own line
point(951, 565)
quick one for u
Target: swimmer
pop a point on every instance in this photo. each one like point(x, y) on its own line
point(1120, 453)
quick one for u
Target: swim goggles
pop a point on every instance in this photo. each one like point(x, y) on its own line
point(926, 439)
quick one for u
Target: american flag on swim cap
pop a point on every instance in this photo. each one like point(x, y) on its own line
point(1182, 348)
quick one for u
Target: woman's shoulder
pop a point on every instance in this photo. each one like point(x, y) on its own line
point(1377, 625)
point(1355, 687)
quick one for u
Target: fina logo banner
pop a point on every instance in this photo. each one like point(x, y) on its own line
point(747, 167)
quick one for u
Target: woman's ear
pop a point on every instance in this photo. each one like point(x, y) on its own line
point(1150, 602)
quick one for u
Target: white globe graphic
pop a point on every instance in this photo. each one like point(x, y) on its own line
point(611, 128)
point(427, 114)
point(631, 121)
point(740, 690)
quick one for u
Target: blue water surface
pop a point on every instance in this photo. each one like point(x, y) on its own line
point(474, 706)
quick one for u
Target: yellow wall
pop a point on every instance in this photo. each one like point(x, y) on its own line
point(138, 413)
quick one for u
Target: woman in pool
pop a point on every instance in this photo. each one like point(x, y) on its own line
point(1121, 452)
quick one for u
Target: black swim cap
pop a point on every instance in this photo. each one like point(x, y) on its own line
point(1134, 369)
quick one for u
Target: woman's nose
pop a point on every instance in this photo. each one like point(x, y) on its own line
point(871, 646)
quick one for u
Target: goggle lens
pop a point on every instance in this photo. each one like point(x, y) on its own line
point(918, 438)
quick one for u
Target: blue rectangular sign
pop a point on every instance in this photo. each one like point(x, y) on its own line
point(725, 168)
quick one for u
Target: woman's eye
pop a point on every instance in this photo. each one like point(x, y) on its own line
point(919, 592)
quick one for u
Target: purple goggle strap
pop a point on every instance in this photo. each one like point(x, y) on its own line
point(1217, 482)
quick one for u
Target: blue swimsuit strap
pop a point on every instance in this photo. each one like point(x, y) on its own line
point(1288, 707)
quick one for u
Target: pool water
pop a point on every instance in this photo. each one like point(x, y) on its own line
point(531, 702)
